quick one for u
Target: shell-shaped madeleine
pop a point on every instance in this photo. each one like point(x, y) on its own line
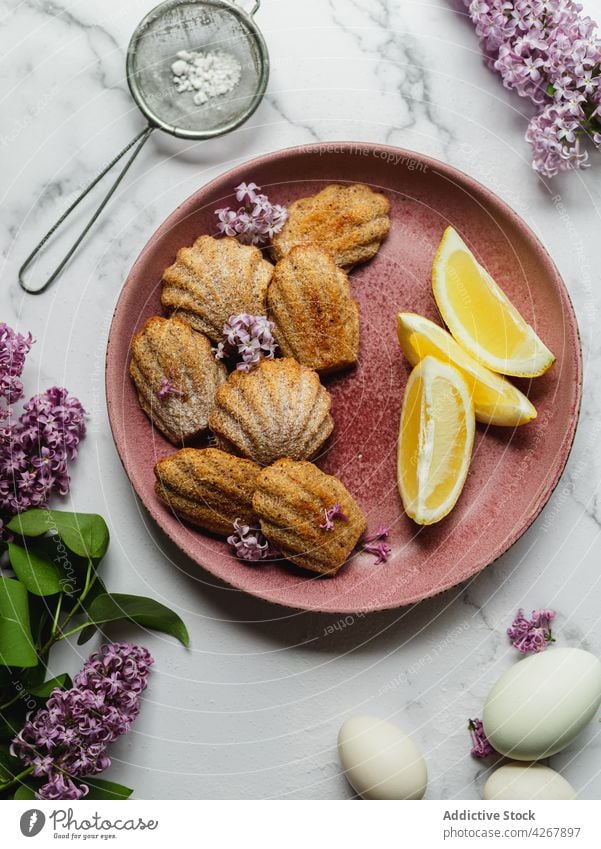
point(208, 488)
point(349, 222)
point(213, 280)
point(309, 299)
point(279, 409)
point(291, 501)
point(176, 375)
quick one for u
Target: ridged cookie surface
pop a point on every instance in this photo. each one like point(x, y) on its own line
point(291, 500)
point(317, 321)
point(213, 280)
point(350, 222)
point(279, 409)
point(208, 487)
point(169, 350)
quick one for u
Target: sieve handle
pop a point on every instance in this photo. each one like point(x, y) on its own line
point(136, 143)
point(255, 8)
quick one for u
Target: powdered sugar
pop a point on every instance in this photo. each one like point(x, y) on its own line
point(208, 73)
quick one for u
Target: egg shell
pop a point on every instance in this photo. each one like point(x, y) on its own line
point(541, 703)
point(527, 781)
point(380, 761)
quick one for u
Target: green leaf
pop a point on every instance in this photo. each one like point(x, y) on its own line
point(144, 611)
point(71, 568)
point(31, 523)
point(42, 691)
point(25, 792)
point(550, 89)
point(86, 534)
point(38, 574)
point(16, 643)
point(101, 789)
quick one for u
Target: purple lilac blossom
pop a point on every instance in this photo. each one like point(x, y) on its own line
point(68, 738)
point(14, 348)
point(257, 221)
point(481, 747)
point(334, 512)
point(249, 543)
point(550, 53)
point(36, 448)
point(534, 634)
point(250, 336)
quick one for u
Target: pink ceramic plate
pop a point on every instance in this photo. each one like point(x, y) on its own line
point(513, 472)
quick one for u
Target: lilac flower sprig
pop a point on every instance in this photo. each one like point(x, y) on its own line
point(249, 337)
point(481, 746)
point(550, 53)
point(14, 348)
point(36, 449)
point(68, 738)
point(256, 221)
point(250, 544)
point(534, 634)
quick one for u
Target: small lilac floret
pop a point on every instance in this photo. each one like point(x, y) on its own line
point(331, 513)
point(373, 544)
point(167, 389)
point(481, 746)
point(249, 543)
point(534, 634)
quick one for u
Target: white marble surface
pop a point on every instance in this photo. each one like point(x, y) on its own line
point(252, 709)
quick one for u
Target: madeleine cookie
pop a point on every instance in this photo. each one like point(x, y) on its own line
point(208, 488)
point(213, 280)
point(317, 321)
point(309, 516)
point(279, 409)
point(349, 222)
point(176, 375)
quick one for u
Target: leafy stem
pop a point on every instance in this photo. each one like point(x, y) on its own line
point(16, 779)
point(56, 614)
point(60, 629)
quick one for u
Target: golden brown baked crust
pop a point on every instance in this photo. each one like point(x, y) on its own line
point(169, 349)
point(208, 488)
point(309, 299)
point(349, 222)
point(291, 499)
point(279, 409)
point(213, 280)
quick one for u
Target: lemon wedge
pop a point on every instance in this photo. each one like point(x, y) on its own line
point(436, 440)
point(480, 316)
point(496, 400)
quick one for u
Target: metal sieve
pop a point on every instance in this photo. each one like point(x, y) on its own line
point(175, 25)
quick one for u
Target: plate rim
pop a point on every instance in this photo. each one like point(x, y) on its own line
point(449, 172)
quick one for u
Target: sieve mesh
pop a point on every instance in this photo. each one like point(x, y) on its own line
point(195, 25)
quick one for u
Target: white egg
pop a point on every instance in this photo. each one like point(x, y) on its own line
point(527, 781)
point(380, 761)
point(541, 703)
